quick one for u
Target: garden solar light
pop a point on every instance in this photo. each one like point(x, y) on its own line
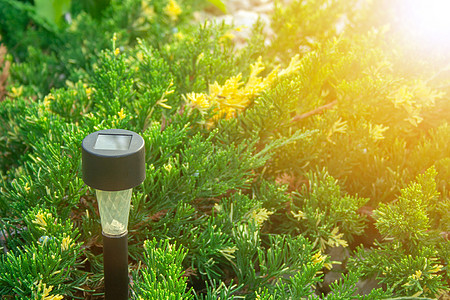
point(113, 163)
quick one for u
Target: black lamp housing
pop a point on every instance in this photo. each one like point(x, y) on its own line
point(113, 159)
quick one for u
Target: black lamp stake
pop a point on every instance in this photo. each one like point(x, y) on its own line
point(113, 162)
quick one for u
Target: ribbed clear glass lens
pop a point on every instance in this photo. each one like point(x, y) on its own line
point(114, 207)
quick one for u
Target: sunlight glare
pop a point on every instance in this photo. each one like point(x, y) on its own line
point(427, 20)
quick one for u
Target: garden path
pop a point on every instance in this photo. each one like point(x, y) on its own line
point(242, 14)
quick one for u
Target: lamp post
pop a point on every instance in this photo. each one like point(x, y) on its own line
point(113, 162)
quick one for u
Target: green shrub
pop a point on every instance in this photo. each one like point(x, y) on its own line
point(259, 159)
point(161, 278)
point(49, 261)
point(322, 213)
point(409, 261)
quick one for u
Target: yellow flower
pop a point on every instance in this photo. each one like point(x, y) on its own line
point(173, 10)
point(261, 215)
point(117, 51)
point(121, 114)
point(66, 243)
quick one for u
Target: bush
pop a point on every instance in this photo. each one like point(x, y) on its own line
point(261, 160)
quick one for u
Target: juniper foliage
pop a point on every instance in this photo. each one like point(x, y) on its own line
point(259, 160)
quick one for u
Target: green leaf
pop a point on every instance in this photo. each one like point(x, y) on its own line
point(52, 10)
point(95, 7)
point(219, 4)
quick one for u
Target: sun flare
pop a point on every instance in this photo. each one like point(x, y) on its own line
point(427, 20)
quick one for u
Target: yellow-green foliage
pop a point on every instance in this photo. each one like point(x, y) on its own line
point(260, 161)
